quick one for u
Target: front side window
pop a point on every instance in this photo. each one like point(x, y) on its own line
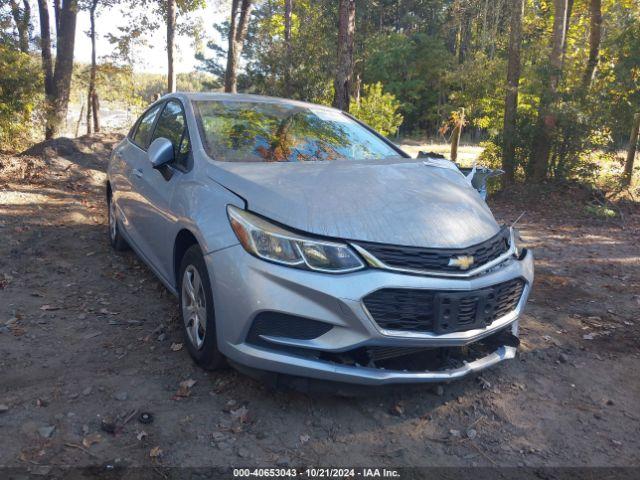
point(172, 126)
point(236, 131)
point(142, 137)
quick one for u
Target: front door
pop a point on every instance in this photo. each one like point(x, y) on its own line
point(156, 186)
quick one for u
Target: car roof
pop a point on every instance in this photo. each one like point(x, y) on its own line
point(242, 97)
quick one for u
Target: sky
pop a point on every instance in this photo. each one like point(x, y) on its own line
point(152, 57)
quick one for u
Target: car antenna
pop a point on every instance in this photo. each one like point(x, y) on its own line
point(518, 219)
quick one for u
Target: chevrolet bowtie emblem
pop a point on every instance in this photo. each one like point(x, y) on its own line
point(463, 262)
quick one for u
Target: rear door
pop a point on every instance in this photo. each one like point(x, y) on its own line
point(157, 221)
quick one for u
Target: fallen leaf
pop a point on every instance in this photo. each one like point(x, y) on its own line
point(155, 452)
point(241, 414)
point(229, 406)
point(91, 439)
point(188, 383)
point(176, 347)
point(397, 409)
point(185, 389)
point(17, 330)
point(49, 308)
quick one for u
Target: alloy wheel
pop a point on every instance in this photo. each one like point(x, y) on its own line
point(194, 307)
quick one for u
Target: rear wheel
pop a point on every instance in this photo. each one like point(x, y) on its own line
point(197, 312)
point(115, 237)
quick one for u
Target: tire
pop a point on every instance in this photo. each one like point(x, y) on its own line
point(116, 239)
point(196, 311)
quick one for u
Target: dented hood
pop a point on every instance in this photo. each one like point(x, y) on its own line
point(400, 201)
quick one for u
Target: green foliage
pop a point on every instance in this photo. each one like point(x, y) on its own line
point(420, 62)
point(412, 68)
point(600, 211)
point(491, 155)
point(20, 97)
point(439, 56)
point(478, 86)
point(615, 95)
point(377, 109)
point(312, 54)
point(589, 123)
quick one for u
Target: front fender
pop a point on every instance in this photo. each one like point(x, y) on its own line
point(202, 209)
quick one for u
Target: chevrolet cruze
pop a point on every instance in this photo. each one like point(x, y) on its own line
point(302, 243)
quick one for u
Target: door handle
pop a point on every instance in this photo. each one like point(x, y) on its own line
point(137, 172)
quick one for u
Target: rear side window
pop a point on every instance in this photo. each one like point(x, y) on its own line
point(172, 126)
point(142, 137)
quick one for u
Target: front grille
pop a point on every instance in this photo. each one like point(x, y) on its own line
point(275, 324)
point(442, 311)
point(437, 259)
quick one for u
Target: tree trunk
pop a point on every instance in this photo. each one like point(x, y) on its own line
point(56, 11)
point(357, 88)
point(95, 106)
point(22, 19)
point(344, 71)
point(65, 37)
point(288, 7)
point(463, 32)
point(89, 114)
point(237, 33)
point(45, 46)
point(171, 33)
point(79, 120)
point(455, 136)
point(567, 25)
point(94, 66)
point(546, 123)
point(595, 35)
point(631, 153)
point(47, 62)
point(230, 79)
point(511, 99)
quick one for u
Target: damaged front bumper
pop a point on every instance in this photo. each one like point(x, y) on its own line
point(307, 324)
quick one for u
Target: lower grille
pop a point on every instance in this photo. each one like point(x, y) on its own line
point(275, 324)
point(442, 311)
point(410, 359)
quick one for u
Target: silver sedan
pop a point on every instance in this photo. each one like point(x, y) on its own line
point(301, 243)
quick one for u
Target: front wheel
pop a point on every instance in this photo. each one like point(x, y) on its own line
point(197, 312)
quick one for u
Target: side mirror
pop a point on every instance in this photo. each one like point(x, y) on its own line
point(160, 152)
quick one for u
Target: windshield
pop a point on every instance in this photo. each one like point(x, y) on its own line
point(236, 131)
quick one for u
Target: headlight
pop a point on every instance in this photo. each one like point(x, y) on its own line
point(516, 241)
point(275, 244)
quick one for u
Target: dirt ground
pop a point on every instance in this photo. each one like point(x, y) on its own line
point(89, 339)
